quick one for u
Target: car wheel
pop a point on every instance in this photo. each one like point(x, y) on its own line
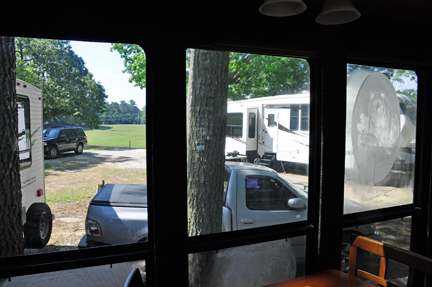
point(53, 152)
point(37, 230)
point(79, 149)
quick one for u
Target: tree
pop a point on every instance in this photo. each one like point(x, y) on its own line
point(134, 61)
point(250, 75)
point(11, 232)
point(68, 88)
point(206, 124)
point(123, 113)
point(254, 76)
point(394, 75)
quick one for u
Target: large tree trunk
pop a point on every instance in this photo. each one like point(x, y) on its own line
point(11, 232)
point(206, 125)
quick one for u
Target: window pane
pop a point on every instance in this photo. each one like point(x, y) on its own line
point(252, 125)
point(78, 90)
point(394, 232)
point(252, 265)
point(380, 138)
point(24, 134)
point(259, 107)
point(294, 117)
point(271, 121)
point(234, 125)
point(304, 125)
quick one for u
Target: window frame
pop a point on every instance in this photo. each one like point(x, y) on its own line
point(326, 70)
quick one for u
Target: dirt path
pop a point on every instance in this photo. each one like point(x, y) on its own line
point(69, 217)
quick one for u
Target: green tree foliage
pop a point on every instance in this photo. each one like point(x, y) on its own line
point(123, 113)
point(69, 90)
point(250, 75)
point(395, 76)
point(255, 76)
point(134, 62)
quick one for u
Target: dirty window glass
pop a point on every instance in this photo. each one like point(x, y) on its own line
point(238, 118)
point(64, 83)
point(380, 137)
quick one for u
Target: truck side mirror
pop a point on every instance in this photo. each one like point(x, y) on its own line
point(296, 203)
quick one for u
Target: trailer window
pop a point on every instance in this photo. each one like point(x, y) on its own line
point(304, 124)
point(271, 121)
point(235, 125)
point(294, 118)
point(252, 125)
point(24, 136)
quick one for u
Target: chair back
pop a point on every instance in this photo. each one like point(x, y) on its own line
point(413, 260)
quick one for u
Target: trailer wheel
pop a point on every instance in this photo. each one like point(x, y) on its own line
point(37, 230)
point(53, 152)
point(79, 149)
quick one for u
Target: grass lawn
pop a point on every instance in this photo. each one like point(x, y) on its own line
point(118, 135)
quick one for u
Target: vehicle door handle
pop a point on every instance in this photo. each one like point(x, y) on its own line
point(247, 222)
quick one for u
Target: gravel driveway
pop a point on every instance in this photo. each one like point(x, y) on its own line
point(121, 158)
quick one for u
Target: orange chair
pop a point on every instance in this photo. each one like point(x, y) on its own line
point(411, 259)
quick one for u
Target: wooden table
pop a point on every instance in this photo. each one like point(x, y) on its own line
point(330, 278)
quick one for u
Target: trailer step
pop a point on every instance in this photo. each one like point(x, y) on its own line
point(267, 160)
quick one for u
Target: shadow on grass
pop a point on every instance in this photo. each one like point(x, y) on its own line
point(72, 162)
point(69, 161)
point(100, 128)
point(99, 147)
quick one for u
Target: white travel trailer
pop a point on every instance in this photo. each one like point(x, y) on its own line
point(269, 130)
point(36, 215)
point(275, 130)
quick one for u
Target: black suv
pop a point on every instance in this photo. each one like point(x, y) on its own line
point(61, 138)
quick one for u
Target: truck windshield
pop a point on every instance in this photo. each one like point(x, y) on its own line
point(50, 133)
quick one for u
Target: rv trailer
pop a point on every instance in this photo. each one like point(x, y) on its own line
point(274, 131)
point(36, 215)
point(269, 130)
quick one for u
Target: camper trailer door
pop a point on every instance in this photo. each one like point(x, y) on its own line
point(252, 129)
point(271, 120)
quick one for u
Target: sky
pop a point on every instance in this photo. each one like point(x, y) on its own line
point(106, 68)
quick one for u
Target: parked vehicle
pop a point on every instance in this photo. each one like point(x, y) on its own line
point(274, 131)
point(254, 196)
point(268, 130)
point(36, 216)
point(63, 138)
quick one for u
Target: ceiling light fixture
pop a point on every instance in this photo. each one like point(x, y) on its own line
point(335, 12)
point(282, 8)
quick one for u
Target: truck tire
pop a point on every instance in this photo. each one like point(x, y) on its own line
point(79, 149)
point(53, 152)
point(38, 227)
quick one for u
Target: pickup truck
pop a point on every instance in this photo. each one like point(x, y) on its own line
point(254, 196)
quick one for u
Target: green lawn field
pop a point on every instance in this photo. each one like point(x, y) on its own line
point(118, 136)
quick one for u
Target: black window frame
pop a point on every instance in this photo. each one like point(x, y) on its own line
point(325, 222)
